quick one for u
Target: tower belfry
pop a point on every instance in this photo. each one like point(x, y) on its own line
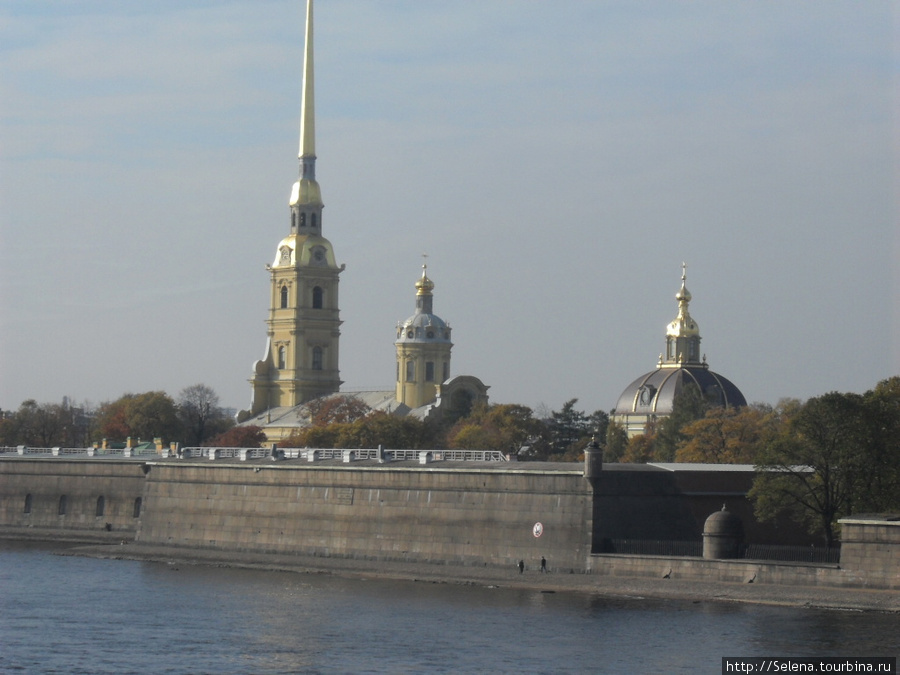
point(301, 360)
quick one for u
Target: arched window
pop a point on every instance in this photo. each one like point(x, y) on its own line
point(410, 371)
point(284, 297)
point(137, 508)
point(312, 222)
point(429, 371)
point(293, 220)
point(28, 501)
point(302, 220)
point(317, 358)
point(62, 505)
point(282, 358)
point(101, 506)
point(318, 295)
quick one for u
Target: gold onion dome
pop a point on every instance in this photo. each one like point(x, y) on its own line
point(684, 324)
point(424, 286)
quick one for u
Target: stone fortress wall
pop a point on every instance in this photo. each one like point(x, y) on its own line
point(475, 513)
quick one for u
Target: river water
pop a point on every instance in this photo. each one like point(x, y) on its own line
point(61, 614)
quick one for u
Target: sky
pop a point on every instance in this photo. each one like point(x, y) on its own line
point(557, 161)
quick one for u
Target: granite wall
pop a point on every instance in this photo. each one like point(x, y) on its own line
point(471, 516)
point(74, 494)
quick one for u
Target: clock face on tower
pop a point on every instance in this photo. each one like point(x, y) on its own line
point(317, 255)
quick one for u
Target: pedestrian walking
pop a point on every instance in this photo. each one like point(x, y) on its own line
point(543, 564)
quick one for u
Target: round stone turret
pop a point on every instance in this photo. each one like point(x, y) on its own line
point(723, 534)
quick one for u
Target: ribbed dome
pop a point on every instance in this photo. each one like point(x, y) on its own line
point(655, 392)
point(424, 325)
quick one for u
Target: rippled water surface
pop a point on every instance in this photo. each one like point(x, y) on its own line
point(62, 614)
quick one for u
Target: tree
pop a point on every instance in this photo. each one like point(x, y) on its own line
point(727, 435)
point(146, 416)
point(689, 405)
point(814, 469)
point(200, 414)
point(505, 427)
point(238, 437)
point(567, 426)
point(336, 410)
point(616, 442)
point(46, 425)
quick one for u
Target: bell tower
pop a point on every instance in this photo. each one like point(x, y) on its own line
point(303, 326)
point(423, 350)
point(682, 334)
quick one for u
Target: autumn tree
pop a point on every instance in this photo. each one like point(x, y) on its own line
point(146, 416)
point(200, 414)
point(504, 427)
point(249, 436)
point(727, 435)
point(377, 428)
point(336, 410)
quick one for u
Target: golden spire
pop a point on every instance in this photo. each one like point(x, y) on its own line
point(307, 103)
point(683, 325)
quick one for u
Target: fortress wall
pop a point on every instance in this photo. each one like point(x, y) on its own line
point(871, 545)
point(471, 516)
point(82, 482)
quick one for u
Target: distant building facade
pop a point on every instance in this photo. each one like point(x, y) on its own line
point(652, 395)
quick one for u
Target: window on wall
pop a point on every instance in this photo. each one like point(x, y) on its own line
point(317, 358)
point(28, 502)
point(312, 220)
point(61, 510)
point(293, 220)
point(282, 358)
point(101, 506)
point(318, 295)
point(302, 220)
point(410, 371)
point(284, 297)
point(429, 371)
point(137, 508)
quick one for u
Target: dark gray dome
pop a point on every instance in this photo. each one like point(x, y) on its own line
point(724, 524)
point(654, 393)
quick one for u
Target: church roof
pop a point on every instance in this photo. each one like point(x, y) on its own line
point(654, 392)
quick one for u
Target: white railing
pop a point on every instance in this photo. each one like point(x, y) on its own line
point(346, 455)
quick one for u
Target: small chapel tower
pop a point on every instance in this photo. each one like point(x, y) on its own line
point(423, 350)
point(301, 360)
point(682, 334)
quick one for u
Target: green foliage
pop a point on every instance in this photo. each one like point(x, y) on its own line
point(836, 455)
point(570, 430)
point(616, 443)
point(689, 405)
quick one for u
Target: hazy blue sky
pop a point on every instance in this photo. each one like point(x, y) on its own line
point(556, 160)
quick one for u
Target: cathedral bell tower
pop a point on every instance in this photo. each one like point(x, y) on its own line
point(423, 350)
point(301, 360)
